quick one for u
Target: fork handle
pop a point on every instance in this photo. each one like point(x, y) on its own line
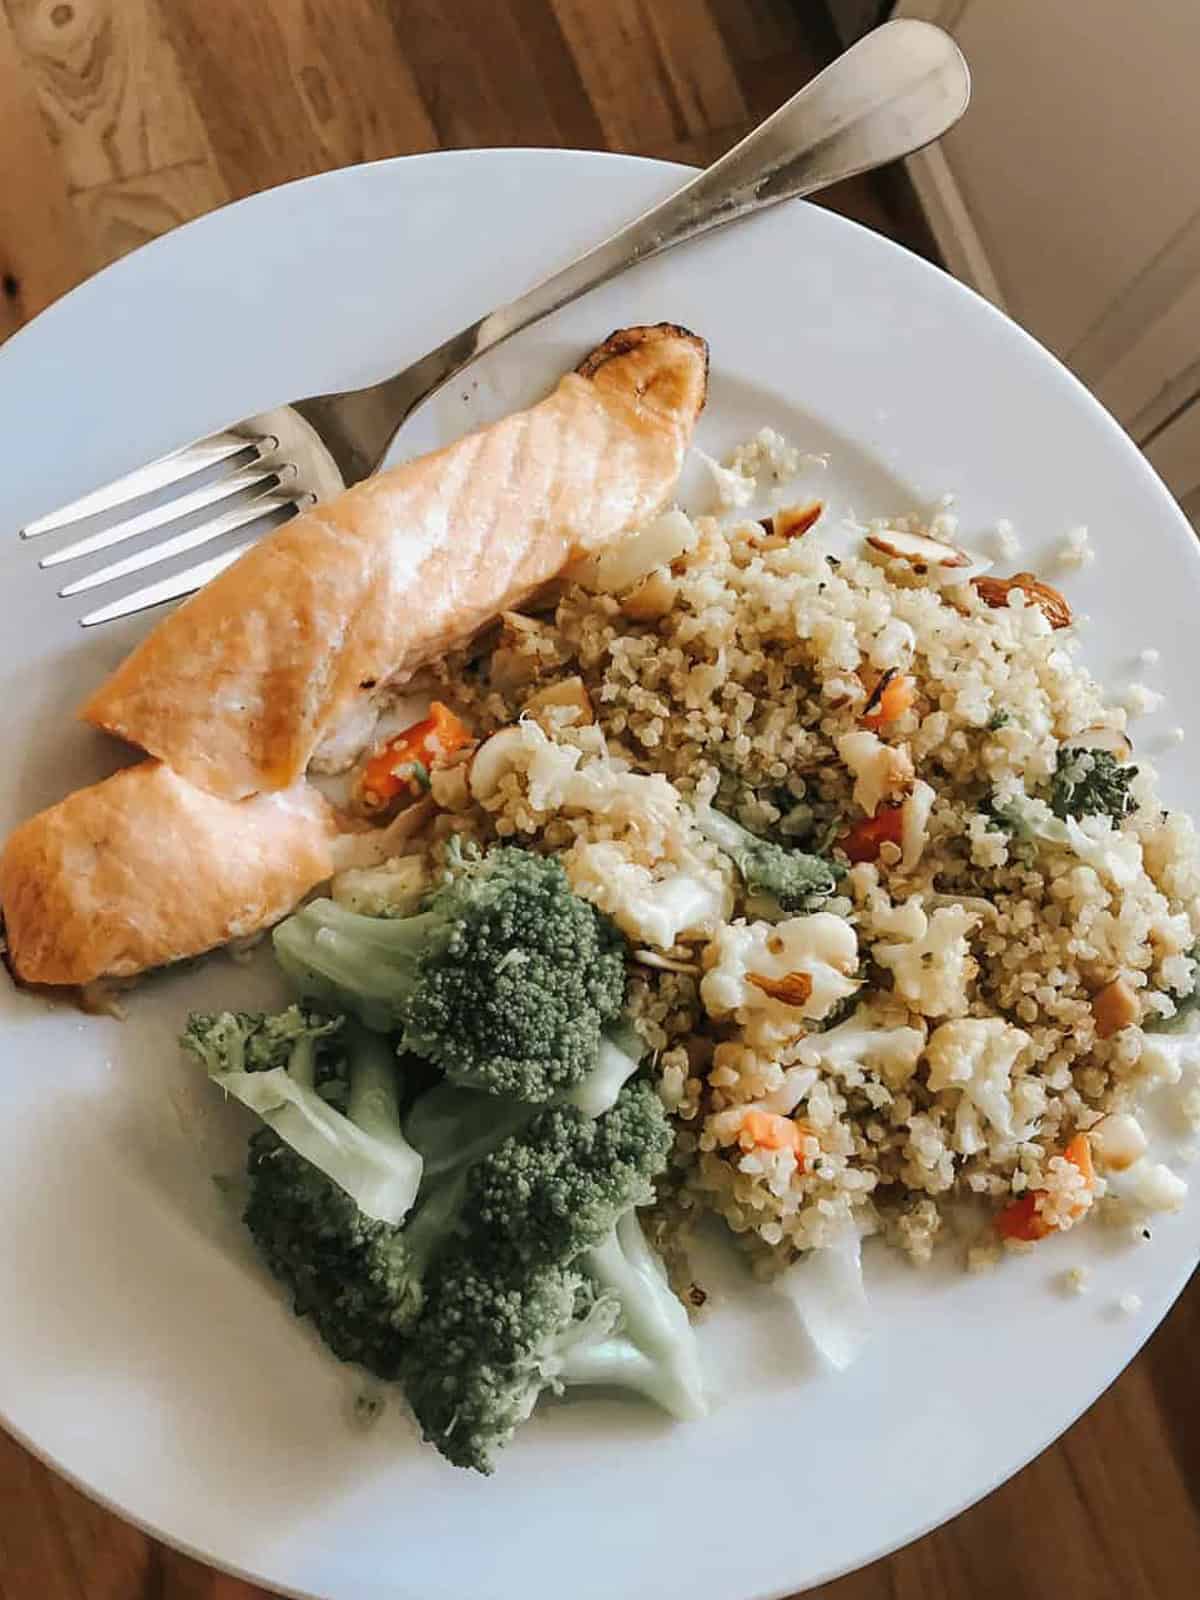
point(899, 88)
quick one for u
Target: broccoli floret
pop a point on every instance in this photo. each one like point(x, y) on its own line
point(551, 1282)
point(504, 979)
point(352, 1275)
point(328, 1088)
point(557, 1187)
point(453, 1127)
point(361, 1280)
point(487, 1346)
point(494, 1338)
point(1091, 783)
point(794, 880)
point(247, 1041)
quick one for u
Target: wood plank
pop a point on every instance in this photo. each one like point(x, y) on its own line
point(499, 74)
point(657, 74)
point(119, 216)
point(42, 249)
point(573, 119)
point(754, 31)
point(288, 89)
point(109, 86)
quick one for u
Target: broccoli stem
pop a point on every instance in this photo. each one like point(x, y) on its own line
point(792, 879)
point(302, 1063)
point(342, 958)
point(453, 1127)
point(374, 1100)
point(654, 1351)
point(617, 1060)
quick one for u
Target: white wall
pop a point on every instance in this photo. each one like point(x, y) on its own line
point(1070, 192)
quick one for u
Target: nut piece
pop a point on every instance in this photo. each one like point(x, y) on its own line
point(652, 599)
point(791, 522)
point(570, 693)
point(1115, 1007)
point(651, 958)
point(918, 549)
point(1117, 743)
point(1118, 1141)
point(995, 592)
point(794, 988)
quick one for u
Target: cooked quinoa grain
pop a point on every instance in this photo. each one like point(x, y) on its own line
point(1006, 958)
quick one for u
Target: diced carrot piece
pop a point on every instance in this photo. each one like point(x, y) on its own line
point(403, 764)
point(897, 695)
point(862, 842)
point(767, 1130)
point(1079, 1153)
point(1023, 1220)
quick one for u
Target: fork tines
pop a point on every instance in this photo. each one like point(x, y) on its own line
point(191, 497)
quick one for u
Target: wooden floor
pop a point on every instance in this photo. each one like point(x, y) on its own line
point(122, 118)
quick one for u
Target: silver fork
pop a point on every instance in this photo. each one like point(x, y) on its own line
point(897, 89)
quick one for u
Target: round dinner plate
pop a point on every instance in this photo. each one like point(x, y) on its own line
point(142, 1350)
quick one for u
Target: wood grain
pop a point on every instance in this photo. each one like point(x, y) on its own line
point(109, 86)
point(120, 119)
point(42, 248)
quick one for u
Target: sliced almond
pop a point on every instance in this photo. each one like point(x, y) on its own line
point(792, 522)
point(651, 958)
point(1117, 744)
point(794, 988)
point(995, 592)
point(918, 549)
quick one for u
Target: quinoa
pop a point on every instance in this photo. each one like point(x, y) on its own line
point(967, 1053)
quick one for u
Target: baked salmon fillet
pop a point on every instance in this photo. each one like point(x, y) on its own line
point(144, 869)
point(283, 657)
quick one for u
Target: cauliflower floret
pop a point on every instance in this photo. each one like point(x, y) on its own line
point(394, 889)
point(914, 825)
point(1145, 1188)
point(880, 770)
point(659, 906)
point(734, 489)
point(657, 878)
point(548, 767)
point(1168, 1057)
point(977, 1055)
point(1111, 853)
point(783, 973)
point(863, 1042)
point(621, 565)
point(582, 777)
point(930, 970)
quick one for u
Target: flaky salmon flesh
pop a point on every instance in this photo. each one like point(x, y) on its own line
point(287, 649)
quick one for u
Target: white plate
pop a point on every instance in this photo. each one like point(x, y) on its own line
point(141, 1350)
